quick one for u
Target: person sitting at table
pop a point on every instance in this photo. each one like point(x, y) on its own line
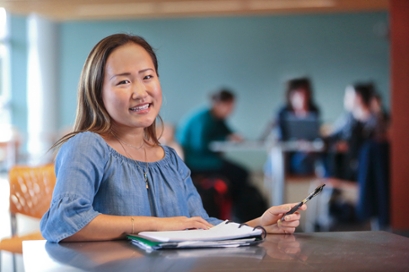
point(358, 151)
point(382, 116)
point(299, 105)
point(204, 126)
point(113, 176)
point(350, 131)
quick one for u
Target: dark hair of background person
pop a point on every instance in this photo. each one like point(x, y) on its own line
point(365, 91)
point(223, 95)
point(91, 112)
point(300, 83)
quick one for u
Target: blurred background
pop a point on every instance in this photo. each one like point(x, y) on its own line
point(253, 47)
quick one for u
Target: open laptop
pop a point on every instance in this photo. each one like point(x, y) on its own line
point(302, 128)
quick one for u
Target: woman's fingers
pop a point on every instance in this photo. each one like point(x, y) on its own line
point(291, 217)
point(200, 223)
point(271, 219)
point(273, 214)
point(283, 209)
point(194, 223)
point(182, 223)
point(288, 224)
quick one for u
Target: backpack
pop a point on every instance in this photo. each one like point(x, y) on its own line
point(215, 196)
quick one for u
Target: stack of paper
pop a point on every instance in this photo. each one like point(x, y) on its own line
point(226, 234)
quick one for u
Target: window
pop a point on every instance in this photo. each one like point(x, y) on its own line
point(7, 154)
point(5, 111)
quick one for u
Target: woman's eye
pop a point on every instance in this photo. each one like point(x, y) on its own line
point(123, 82)
point(148, 77)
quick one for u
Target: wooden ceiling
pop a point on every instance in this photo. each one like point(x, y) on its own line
point(62, 10)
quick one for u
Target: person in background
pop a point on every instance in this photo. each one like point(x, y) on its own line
point(374, 172)
point(197, 131)
point(359, 152)
point(356, 125)
point(299, 104)
point(113, 175)
point(382, 116)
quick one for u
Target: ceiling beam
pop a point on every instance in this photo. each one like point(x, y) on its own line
point(63, 10)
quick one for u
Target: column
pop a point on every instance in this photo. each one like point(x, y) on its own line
point(42, 85)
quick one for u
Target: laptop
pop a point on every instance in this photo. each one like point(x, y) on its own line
point(302, 128)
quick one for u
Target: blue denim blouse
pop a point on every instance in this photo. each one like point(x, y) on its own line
point(93, 179)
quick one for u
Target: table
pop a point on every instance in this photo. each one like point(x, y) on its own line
point(276, 152)
point(325, 251)
point(277, 160)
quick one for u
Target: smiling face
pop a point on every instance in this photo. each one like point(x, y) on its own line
point(131, 89)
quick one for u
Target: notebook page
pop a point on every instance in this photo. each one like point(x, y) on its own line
point(223, 231)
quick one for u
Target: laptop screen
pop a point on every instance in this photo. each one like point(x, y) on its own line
point(301, 128)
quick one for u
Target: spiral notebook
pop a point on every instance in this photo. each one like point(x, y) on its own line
point(225, 234)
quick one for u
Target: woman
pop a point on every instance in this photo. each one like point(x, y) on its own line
point(352, 129)
point(113, 176)
point(299, 105)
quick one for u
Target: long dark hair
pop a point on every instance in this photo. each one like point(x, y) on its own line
point(91, 113)
point(365, 91)
point(300, 83)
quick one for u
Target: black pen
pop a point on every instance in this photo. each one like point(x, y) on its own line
point(296, 207)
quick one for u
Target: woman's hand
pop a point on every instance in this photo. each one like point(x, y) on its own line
point(181, 223)
point(236, 138)
point(271, 222)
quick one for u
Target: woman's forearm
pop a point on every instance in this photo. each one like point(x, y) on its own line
point(112, 227)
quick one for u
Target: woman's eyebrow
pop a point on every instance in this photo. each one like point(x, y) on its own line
point(128, 73)
point(144, 70)
point(120, 74)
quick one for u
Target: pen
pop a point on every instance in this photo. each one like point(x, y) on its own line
point(305, 200)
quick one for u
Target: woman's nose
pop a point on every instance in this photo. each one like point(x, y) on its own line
point(139, 91)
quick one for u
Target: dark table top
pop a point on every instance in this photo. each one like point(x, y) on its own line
point(321, 251)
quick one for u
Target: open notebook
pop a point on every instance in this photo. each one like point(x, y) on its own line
point(225, 234)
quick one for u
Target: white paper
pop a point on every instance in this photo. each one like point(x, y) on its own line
point(223, 231)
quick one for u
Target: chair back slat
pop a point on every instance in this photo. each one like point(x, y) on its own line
point(31, 189)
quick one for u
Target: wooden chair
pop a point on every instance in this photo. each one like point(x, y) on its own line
point(31, 190)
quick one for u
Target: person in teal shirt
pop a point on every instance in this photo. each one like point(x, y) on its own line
point(206, 125)
point(203, 127)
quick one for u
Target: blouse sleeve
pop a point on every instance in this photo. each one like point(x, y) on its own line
point(79, 169)
point(194, 200)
